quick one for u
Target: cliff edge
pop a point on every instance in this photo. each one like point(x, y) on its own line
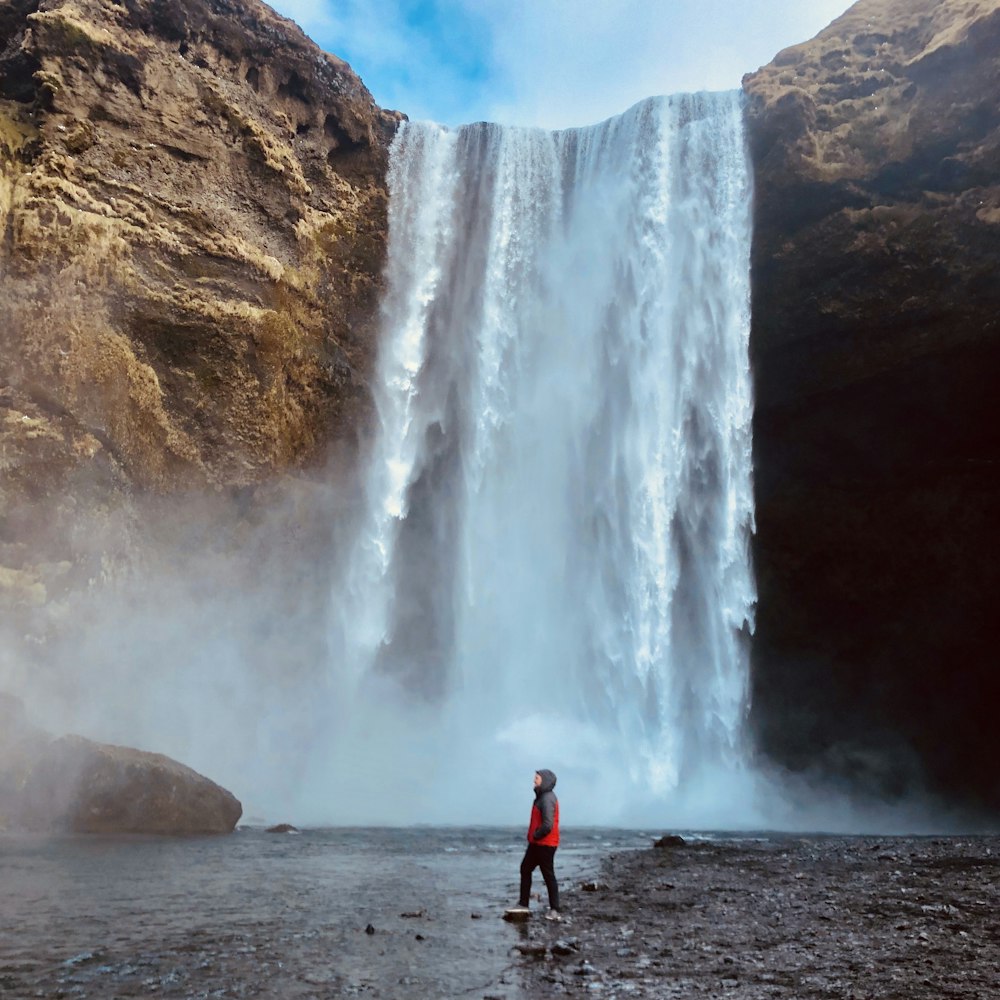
point(876, 349)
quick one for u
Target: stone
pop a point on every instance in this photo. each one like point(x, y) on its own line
point(75, 785)
point(875, 348)
point(562, 948)
point(282, 828)
point(532, 950)
point(669, 841)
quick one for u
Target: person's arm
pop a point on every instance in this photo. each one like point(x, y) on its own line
point(547, 807)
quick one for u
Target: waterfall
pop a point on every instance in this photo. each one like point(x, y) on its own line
point(552, 567)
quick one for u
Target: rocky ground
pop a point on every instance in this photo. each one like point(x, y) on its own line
point(796, 917)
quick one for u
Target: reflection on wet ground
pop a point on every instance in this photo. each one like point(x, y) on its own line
point(271, 915)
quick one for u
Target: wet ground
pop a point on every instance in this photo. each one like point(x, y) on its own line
point(781, 918)
point(416, 914)
point(325, 913)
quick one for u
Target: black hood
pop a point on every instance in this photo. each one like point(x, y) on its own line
point(548, 781)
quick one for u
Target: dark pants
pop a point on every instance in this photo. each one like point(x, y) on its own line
point(539, 856)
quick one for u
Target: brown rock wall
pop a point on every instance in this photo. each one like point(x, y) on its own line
point(193, 210)
point(876, 348)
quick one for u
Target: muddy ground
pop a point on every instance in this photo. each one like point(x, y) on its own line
point(851, 918)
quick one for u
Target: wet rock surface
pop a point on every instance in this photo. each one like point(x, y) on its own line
point(875, 346)
point(801, 918)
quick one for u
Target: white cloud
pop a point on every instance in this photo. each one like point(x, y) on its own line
point(554, 63)
point(568, 63)
point(405, 67)
point(316, 19)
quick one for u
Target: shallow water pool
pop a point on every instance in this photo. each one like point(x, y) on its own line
point(273, 915)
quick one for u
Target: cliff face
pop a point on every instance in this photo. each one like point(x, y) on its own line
point(193, 210)
point(876, 348)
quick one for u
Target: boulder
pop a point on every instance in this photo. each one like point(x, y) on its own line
point(75, 785)
point(876, 351)
point(670, 840)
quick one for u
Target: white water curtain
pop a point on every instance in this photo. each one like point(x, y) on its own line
point(553, 564)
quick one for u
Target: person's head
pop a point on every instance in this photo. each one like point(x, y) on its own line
point(545, 780)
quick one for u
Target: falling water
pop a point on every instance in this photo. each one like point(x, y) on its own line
point(553, 566)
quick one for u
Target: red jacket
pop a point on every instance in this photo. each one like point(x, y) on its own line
point(545, 813)
point(551, 839)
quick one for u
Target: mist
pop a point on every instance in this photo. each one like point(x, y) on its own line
point(209, 640)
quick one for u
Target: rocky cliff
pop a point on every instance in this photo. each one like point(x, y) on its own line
point(876, 349)
point(193, 210)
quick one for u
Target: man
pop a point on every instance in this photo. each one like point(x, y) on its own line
point(543, 839)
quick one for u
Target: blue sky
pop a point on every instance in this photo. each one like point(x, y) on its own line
point(554, 63)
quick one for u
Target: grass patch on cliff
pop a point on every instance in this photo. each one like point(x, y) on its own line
point(14, 134)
